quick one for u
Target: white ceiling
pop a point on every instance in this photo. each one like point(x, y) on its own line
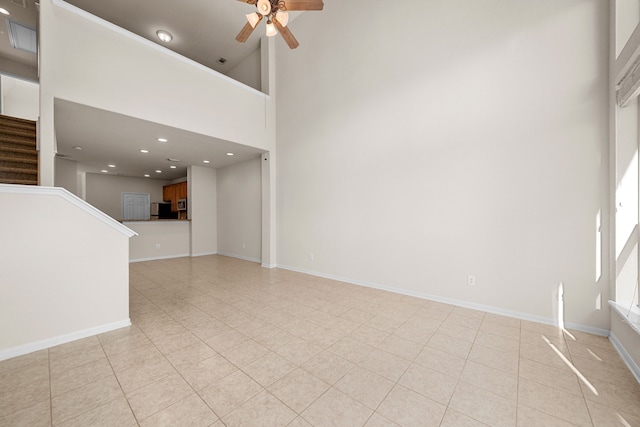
point(109, 138)
point(25, 15)
point(203, 31)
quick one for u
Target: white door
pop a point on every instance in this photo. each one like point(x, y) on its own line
point(136, 206)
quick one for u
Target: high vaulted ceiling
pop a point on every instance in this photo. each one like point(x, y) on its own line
point(204, 31)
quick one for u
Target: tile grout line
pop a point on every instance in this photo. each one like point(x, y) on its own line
point(172, 365)
point(118, 380)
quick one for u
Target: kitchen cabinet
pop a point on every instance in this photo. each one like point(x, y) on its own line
point(181, 190)
point(171, 193)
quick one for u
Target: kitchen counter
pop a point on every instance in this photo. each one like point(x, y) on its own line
point(159, 238)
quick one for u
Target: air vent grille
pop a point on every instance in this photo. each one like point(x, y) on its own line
point(21, 36)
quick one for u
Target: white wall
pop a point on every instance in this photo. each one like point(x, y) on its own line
point(202, 210)
point(18, 69)
point(91, 62)
point(468, 138)
point(249, 71)
point(67, 175)
point(19, 98)
point(158, 239)
point(105, 191)
point(239, 202)
point(65, 272)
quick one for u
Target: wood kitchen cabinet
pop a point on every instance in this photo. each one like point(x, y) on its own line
point(181, 190)
point(171, 193)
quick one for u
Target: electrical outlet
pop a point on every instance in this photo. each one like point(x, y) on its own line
point(311, 256)
point(471, 280)
point(157, 245)
point(244, 246)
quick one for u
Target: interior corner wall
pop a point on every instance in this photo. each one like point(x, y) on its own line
point(239, 202)
point(202, 210)
point(67, 175)
point(467, 139)
point(249, 71)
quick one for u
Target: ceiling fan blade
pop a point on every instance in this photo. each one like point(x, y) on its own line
point(286, 35)
point(244, 34)
point(302, 4)
point(249, 1)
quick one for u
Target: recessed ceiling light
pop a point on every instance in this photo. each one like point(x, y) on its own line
point(230, 154)
point(112, 166)
point(173, 167)
point(164, 36)
point(77, 147)
point(158, 171)
point(163, 140)
point(206, 161)
point(104, 171)
point(4, 11)
point(144, 151)
point(146, 175)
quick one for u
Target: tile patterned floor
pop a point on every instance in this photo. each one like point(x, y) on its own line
point(219, 342)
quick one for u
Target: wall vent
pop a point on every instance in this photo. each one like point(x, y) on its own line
point(21, 36)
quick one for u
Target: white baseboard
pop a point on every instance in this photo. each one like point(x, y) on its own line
point(10, 353)
point(159, 258)
point(245, 258)
point(626, 357)
point(459, 303)
point(204, 254)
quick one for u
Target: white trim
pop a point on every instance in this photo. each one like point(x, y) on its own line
point(626, 357)
point(204, 254)
point(459, 303)
point(61, 339)
point(71, 198)
point(266, 265)
point(245, 258)
point(156, 258)
point(148, 43)
point(629, 316)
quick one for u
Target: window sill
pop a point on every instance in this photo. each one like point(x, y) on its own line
point(632, 318)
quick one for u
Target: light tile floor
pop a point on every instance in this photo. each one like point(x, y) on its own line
point(217, 341)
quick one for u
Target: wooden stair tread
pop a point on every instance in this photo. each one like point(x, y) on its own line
point(13, 169)
point(19, 181)
point(5, 150)
point(17, 134)
point(24, 160)
point(18, 154)
point(16, 122)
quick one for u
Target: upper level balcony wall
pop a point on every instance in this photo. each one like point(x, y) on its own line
point(87, 60)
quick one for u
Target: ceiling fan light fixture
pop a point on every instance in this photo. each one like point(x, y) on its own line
point(264, 7)
point(282, 17)
point(271, 29)
point(254, 18)
point(164, 36)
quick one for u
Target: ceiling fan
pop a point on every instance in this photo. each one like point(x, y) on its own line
point(277, 16)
